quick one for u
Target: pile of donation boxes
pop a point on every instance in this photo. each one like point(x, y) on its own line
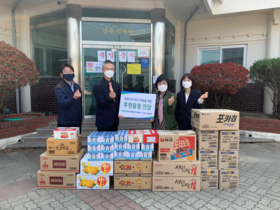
point(203, 158)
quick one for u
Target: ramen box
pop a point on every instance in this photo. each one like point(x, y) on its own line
point(66, 133)
point(133, 166)
point(96, 167)
point(215, 119)
point(228, 179)
point(61, 163)
point(176, 184)
point(50, 179)
point(209, 179)
point(150, 136)
point(177, 146)
point(229, 140)
point(131, 182)
point(208, 158)
point(207, 139)
point(228, 159)
point(90, 182)
point(135, 136)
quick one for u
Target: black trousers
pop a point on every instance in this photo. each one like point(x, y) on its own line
point(114, 127)
point(72, 125)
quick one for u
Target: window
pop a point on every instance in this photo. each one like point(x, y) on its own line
point(234, 54)
point(169, 49)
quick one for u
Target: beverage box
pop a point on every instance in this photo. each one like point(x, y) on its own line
point(229, 140)
point(55, 179)
point(96, 167)
point(122, 182)
point(93, 156)
point(107, 156)
point(177, 146)
point(207, 139)
point(178, 169)
point(135, 136)
point(95, 137)
point(121, 136)
point(132, 166)
point(94, 148)
point(105, 148)
point(215, 119)
point(91, 182)
point(66, 133)
point(208, 158)
point(132, 155)
point(228, 179)
point(120, 155)
point(145, 155)
point(150, 136)
point(61, 163)
point(107, 138)
point(120, 147)
point(69, 147)
point(147, 147)
point(133, 147)
point(228, 159)
point(209, 179)
point(176, 184)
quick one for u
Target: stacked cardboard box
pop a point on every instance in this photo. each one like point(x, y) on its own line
point(176, 168)
point(218, 143)
point(60, 163)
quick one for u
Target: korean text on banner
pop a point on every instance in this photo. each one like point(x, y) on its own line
point(133, 68)
point(122, 56)
point(111, 56)
point(101, 55)
point(137, 105)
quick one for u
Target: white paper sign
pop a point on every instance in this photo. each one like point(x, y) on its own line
point(94, 67)
point(143, 53)
point(131, 56)
point(111, 56)
point(101, 56)
point(122, 56)
point(137, 105)
point(155, 79)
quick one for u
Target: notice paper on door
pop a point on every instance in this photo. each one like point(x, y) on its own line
point(101, 56)
point(122, 56)
point(94, 67)
point(111, 56)
point(131, 56)
point(133, 68)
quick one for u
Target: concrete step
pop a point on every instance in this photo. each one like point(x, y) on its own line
point(91, 122)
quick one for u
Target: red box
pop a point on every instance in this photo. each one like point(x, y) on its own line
point(150, 136)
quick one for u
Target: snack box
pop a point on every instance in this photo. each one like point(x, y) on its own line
point(147, 147)
point(177, 146)
point(120, 155)
point(133, 147)
point(133, 166)
point(66, 133)
point(228, 159)
point(120, 146)
point(176, 184)
point(145, 155)
point(209, 179)
point(229, 140)
point(96, 167)
point(208, 158)
point(122, 182)
point(67, 147)
point(61, 163)
point(91, 182)
point(150, 136)
point(207, 139)
point(121, 136)
point(215, 119)
point(228, 179)
point(55, 179)
point(135, 136)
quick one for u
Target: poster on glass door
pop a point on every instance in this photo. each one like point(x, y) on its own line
point(101, 56)
point(131, 56)
point(111, 56)
point(93, 67)
point(122, 56)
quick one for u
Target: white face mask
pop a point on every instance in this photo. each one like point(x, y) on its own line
point(109, 73)
point(162, 88)
point(186, 84)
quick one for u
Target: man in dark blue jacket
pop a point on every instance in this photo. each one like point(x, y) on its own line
point(68, 96)
point(107, 93)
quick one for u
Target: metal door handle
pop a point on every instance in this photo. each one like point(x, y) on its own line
point(123, 74)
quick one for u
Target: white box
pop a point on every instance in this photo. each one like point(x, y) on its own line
point(133, 155)
point(120, 155)
point(94, 148)
point(121, 136)
point(146, 155)
point(66, 133)
point(107, 156)
point(94, 137)
point(120, 146)
point(89, 182)
point(135, 136)
point(107, 148)
point(147, 147)
point(93, 156)
point(133, 147)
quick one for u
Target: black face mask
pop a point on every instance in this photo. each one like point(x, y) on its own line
point(69, 77)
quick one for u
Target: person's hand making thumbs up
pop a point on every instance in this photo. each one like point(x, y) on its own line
point(171, 101)
point(112, 94)
point(77, 95)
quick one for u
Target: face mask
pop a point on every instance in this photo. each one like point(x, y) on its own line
point(109, 73)
point(68, 77)
point(162, 88)
point(186, 84)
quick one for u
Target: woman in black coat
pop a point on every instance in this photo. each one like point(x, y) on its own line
point(187, 99)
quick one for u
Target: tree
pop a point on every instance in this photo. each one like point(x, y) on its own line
point(266, 73)
point(16, 70)
point(221, 80)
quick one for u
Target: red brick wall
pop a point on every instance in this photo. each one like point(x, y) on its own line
point(10, 129)
point(42, 95)
point(260, 125)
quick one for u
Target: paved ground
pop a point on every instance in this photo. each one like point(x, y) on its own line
point(259, 187)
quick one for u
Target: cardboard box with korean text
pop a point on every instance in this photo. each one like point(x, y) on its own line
point(207, 139)
point(69, 147)
point(229, 140)
point(191, 169)
point(132, 182)
point(228, 179)
point(90, 182)
point(228, 159)
point(176, 184)
point(66, 133)
point(209, 179)
point(208, 158)
point(55, 179)
point(135, 136)
point(133, 166)
point(215, 119)
point(150, 136)
point(177, 146)
point(61, 163)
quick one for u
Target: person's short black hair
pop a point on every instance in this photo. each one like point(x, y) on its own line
point(107, 62)
point(161, 78)
point(190, 77)
point(65, 65)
